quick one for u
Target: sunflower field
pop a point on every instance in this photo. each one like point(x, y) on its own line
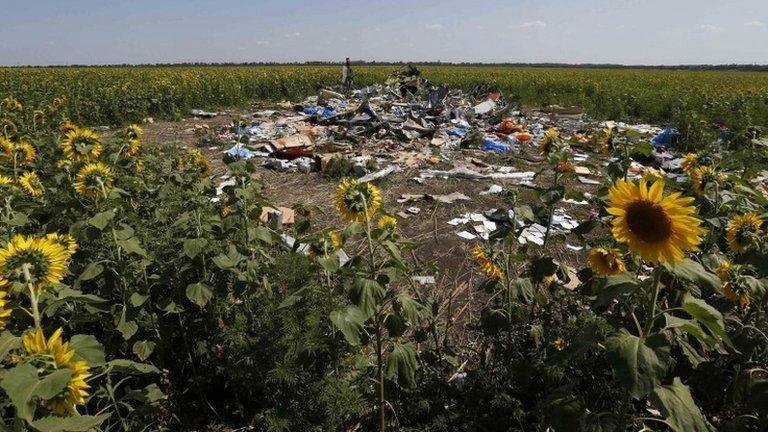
point(688, 100)
point(134, 296)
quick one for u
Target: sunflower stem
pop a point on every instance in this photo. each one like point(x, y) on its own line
point(33, 298)
point(654, 299)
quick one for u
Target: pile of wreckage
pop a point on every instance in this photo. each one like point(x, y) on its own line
point(409, 123)
point(405, 122)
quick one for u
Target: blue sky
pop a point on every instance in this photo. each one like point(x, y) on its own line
point(43, 32)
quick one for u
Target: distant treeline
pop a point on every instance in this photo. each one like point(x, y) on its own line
point(702, 67)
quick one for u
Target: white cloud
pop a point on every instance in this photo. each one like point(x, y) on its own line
point(754, 24)
point(709, 28)
point(294, 35)
point(434, 27)
point(621, 27)
point(538, 24)
point(262, 43)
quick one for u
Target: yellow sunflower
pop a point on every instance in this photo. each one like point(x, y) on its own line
point(5, 181)
point(134, 131)
point(487, 265)
point(387, 222)
point(703, 177)
point(559, 344)
point(658, 228)
point(31, 184)
point(11, 104)
point(732, 290)
point(548, 140)
point(94, 180)
point(357, 202)
point(81, 145)
point(56, 354)
point(606, 141)
point(195, 161)
point(6, 148)
point(25, 152)
point(743, 232)
point(134, 146)
point(64, 240)
point(690, 163)
point(44, 260)
point(327, 242)
point(606, 261)
point(66, 127)
point(64, 164)
point(724, 270)
point(4, 313)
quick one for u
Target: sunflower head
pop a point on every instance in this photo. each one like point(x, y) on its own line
point(559, 344)
point(31, 184)
point(81, 145)
point(64, 240)
point(744, 232)
point(327, 242)
point(66, 127)
point(6, 148)
point(94, 180)
point(659, 228)
point(703, 178)
point(733, 288)
point(487, 265)
point(357, 202)
point(549, 141)
point(8, 128)
point(54, 354)
point(24, 152)
point(12, 104)
point(5, 313)
point(387, 222)
point(690, 163)
point(724, 270)
point(5, 181)
point(134, 146)
point(64, 164)
point(134, 131)
point(605, 139)
point(194, 161)
point(606, 261)
point(32, 260)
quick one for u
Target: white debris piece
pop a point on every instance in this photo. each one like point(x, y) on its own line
point(466, 235)
point(494, 189)
point(424, 280)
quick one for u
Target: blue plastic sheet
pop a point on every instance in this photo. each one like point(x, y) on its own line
point(664, 139)
point(495, 146)
point(457, 132)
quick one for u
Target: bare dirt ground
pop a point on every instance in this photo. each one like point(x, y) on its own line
point(438, 250)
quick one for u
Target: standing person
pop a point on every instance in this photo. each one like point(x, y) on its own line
point(346, 76)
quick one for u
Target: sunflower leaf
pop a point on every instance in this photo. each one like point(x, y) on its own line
point(350, 322)
point(101, 220)
point(692, 271)
point(677, 406)
point(708, 316)
point(401, 365)
point(80, 423)
point(88, 348)
point(639, 363)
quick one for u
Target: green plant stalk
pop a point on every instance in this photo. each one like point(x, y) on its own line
point(551, 210)
point(33, 298)
point(654, 299)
